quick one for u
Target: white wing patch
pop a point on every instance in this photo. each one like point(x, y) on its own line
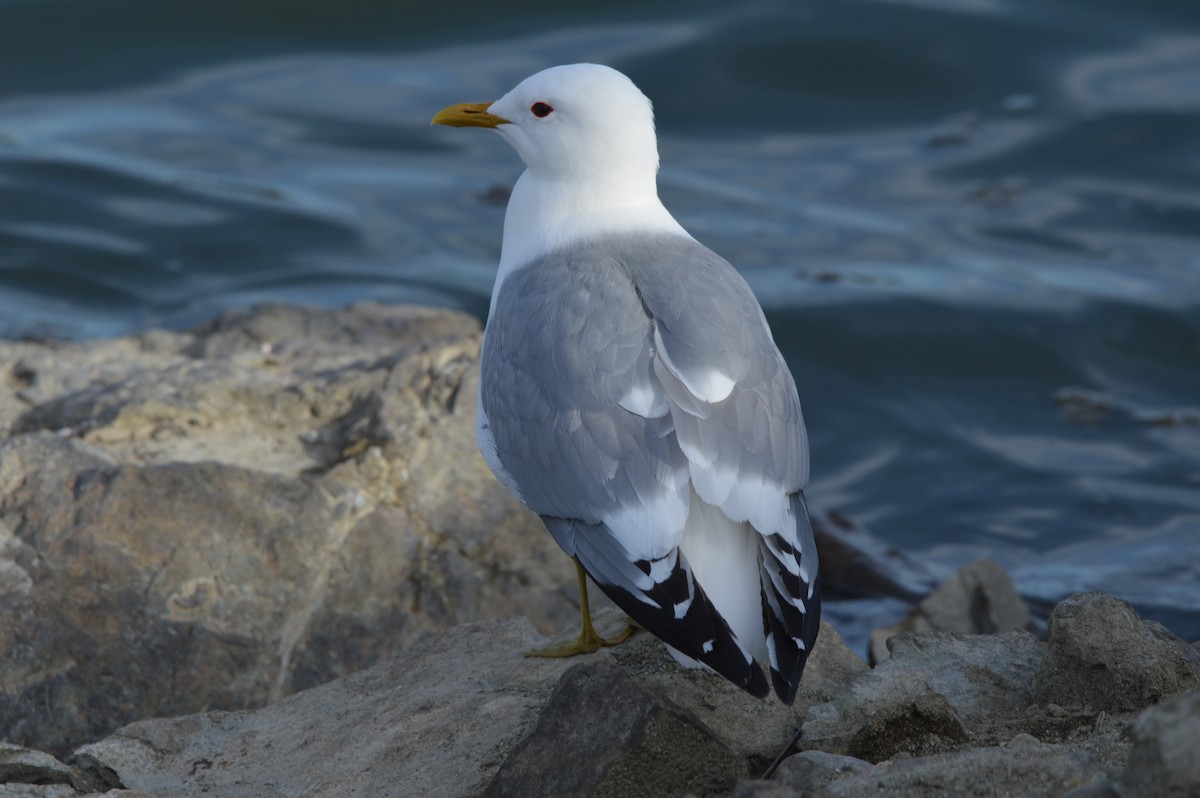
point(645, 396)
point(709, 386)
point(651, 527)
point(742, 497)
point(646, 400)
point(762, 502)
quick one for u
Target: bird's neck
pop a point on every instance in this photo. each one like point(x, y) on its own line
point(547, 215)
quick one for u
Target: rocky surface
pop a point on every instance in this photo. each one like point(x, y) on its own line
point(218, 518)
point(1127, 663)
point(1007, 714)
point(631, 741)
point(979, 598)
point(937, 692)
point(285, 509)
point(1165, 760)
point(463, 713)
point(1032, 770)
point(215, 519)
point(22, 766)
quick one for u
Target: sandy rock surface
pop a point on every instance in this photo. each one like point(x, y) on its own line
point(463, 713)
point(216, 519)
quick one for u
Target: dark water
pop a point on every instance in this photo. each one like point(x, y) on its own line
point(975, 225)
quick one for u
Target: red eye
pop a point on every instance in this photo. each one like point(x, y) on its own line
point(541, 110)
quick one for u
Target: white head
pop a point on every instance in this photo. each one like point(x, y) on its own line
point(577, 121)
point(581, 119)
point(586, 135)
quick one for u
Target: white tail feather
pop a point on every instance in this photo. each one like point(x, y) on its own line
point(723, 555)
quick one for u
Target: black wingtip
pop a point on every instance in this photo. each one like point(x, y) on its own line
point(676, 609)
point(687, 636)
point(784, 690)
point(757, 686)
point(792, 658)
point(701, 633)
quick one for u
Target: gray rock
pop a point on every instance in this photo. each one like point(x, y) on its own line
point(758, 730)
point(438, 720)
point(1043, 772)
point(1099, 789)
point(812, 770)
point(22, 767)
point(463, 710)
point(219, 518)
point(760, 788)
point(1102, 656)
point(979, 598)
point(937, 692)
point(463, 713)
point(601, 734)
point(1165, 761)
point(37, 791)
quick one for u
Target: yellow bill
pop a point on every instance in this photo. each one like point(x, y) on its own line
point(468, 115)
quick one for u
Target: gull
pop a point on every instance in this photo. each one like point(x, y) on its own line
point(632, 395)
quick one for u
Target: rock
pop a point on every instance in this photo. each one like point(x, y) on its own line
point(757, 730)
point(809, 771)
point(936, 692)
point(601, 734)
point(754, 730)
point(1044, 772)
point(760, 788)
point(1099, 789)
point(462, 713)
point(856, 564)
point(37, 791)
point(1164, 761)
point(1023, 740)
point(22, 767)
point(219, 518)
point(832, 668)
point(1105, 736)
point(979, 598)
point(1029, 770)
point(438, 720)
point(1102, 656)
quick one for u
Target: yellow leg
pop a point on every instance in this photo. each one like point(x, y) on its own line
point(588, 641)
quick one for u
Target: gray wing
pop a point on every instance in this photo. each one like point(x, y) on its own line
point(617, 377)
point(738, 421)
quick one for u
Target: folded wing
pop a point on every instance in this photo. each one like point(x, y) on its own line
point(619, 383)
